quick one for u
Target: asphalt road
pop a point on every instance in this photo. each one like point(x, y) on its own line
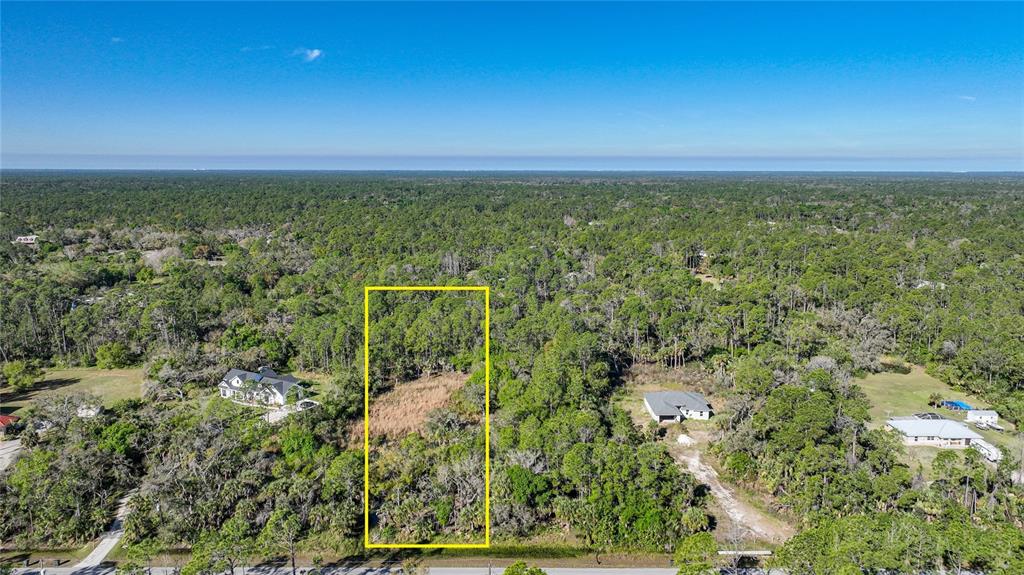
point(97, 570)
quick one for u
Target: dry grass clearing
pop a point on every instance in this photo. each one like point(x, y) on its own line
point(404, 409)
point(714, 281)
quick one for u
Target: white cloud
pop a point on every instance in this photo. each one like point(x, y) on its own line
point(308, 54)
point(116, 40)
point(967, 98)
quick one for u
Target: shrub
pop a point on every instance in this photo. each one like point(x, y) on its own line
point(113, 355)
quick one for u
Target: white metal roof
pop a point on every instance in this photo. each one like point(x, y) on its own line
point(941, 428)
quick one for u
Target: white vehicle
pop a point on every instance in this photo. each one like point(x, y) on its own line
point(989, 451)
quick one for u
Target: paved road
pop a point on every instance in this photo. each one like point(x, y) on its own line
point(363, 570)
point(8, 449)
point(109, 540)
point(557, 571)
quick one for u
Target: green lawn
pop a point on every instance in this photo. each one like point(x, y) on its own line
point(111, 385)
point(896, 394)
point(317, 381)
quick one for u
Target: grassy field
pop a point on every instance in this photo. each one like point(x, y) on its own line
point(317, 381)
point(896, 394)
point(111, 385)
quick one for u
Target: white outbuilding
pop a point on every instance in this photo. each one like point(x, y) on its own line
point(982, 416)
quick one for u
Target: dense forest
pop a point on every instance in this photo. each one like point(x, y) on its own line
point(783, 288)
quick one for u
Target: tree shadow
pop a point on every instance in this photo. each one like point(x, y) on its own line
point(9, 394)
point(702, 492)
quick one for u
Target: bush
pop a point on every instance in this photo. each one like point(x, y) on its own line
point(113, 355)
point(521, 568)
point(21, 374)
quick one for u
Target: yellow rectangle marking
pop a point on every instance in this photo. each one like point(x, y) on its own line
point(366, 419)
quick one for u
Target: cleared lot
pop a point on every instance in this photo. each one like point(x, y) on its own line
point(112, 385)
point(895, 394)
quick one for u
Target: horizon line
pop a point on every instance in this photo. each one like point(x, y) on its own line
point(515, 170)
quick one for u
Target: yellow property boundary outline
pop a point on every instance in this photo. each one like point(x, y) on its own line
point(366, 419)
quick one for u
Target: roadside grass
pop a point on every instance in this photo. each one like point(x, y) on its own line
point(111, 385)
point(896, 394)
point(553, 557)
point(551, 547)
point(49, 557)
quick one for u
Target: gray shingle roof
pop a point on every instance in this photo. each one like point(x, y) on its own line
point(670, 403)
point(265, 376)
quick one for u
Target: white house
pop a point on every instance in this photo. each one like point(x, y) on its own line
point(264, 387)
point(676, 405)
point(982, 416)
point(933, 432)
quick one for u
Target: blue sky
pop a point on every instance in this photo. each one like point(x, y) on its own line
point(801, 86)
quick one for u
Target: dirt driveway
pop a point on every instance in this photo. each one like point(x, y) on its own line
point(742, 514)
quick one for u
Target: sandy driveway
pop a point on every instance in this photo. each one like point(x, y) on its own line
point(8, 449)
point(748, 517)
